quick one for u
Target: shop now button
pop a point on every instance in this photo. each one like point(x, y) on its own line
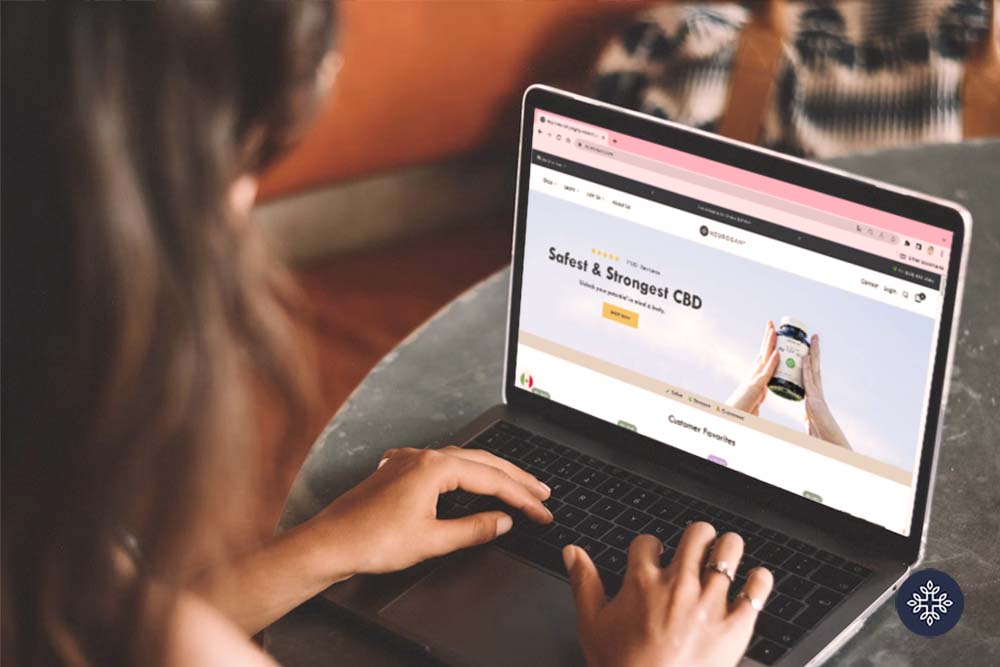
point(621, 315)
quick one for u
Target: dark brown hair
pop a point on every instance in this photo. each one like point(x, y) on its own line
point(140, 318)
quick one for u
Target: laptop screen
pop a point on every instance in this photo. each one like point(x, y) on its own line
point(763, 326)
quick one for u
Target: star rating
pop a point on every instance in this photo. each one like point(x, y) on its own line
point(605, 254)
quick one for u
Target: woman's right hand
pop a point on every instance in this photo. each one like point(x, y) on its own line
point(677, 616)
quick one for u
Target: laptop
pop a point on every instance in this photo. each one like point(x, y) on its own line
point(658, 271)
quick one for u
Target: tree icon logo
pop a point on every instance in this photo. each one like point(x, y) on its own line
point(930, 603)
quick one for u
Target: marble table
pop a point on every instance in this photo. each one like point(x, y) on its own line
point(449, 370)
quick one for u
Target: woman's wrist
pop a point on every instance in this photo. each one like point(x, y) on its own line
point(330, 547)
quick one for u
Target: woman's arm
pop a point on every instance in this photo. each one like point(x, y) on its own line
point(386, 523)
point(260, 587)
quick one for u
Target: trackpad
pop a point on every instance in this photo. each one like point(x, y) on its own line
point(488, 608)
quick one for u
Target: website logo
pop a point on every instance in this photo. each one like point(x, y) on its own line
point(704, 230)
point(930, 603)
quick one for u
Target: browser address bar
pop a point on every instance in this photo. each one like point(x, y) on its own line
point(743, 193)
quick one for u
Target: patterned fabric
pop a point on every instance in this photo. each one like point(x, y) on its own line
point(856, 75)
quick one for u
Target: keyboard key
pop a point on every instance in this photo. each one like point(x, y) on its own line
point(778, 630)
point(565, 467)
point(642, 482)
point(838, 580)
point(607, 509)
point(540, 457)
point(773, 535)
point(752, 541)
point(552, 504)
point(633, 519)
point(612, 560)
point(639, 499)
point(772, 553)
point(560, 487)
point(661, 530)
point(665, 509)
point(569, 516)
point(801, 547)
point(591, 546)
point(748, 563)
point(766, 651)
point(582, 498)
point(511, 449)
point(779, 574)
point(541, 474)
point(542, 441)
point(667, 556)
point(507, 427)
point(619, 538)
point(796, 586)
point(829, 558)
point(690, 515)
point(800, 564)
point(784, 607)
point(560, 536)
point(859, 570)
point(615, 488)
point(723, 527)
point(594, 526)
point(820, 603)
point(589, 478)
point(666, 491)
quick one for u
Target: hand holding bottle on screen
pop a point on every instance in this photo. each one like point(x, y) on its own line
point(752, 392)
point(819, 420)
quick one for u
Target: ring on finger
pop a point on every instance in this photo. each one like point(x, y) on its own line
point(755, 603)
point(722, 567)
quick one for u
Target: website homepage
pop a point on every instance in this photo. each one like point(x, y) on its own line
point(759, 325)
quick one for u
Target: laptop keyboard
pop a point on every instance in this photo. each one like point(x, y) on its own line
point(601, 508)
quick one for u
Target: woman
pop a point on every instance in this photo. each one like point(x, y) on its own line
point(143, 321)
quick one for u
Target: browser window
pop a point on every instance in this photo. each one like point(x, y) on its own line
point(772, 329)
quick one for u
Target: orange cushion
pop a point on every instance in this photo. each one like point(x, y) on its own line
point(428, 80)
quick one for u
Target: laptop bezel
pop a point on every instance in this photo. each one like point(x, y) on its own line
point(944, 215)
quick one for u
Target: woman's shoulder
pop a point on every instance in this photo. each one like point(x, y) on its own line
point(200, 635)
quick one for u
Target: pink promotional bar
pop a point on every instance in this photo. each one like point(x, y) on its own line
point(764, 184)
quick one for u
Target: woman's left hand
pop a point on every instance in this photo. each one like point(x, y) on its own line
point(389, 521)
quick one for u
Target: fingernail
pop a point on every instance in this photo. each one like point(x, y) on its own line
point(569, 557)
point(504, 524)
point(544, 487)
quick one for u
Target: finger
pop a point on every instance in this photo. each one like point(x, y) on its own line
point(692, 549)
point(815, 360)
point(644, 560)
point(452, 534)
point(588, 590)
point(726, 554)
point(765, 341)
point(542, 491)
point(807, 377)
point(486, 480)
point(758, 587)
